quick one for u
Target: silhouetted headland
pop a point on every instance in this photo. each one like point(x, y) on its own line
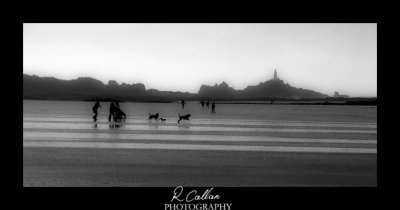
point(273, 91)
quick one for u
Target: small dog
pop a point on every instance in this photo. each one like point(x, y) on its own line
point(155, 116)
point(184, 117)
point(163, 119)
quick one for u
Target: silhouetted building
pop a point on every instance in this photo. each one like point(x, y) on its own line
point(275, 75)
point(112, 83)
point(337, 95)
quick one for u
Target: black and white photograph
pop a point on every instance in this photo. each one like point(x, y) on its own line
point(199, 105)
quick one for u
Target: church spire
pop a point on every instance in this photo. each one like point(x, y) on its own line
point(275, 75)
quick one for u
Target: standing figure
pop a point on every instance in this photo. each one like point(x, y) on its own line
point(202, 103)
point(112, 110)
point(208, 104)
point(213, 107)
point(183, 104)
point(95, 107)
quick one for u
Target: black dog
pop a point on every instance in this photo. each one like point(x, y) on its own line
point(184, 117)
point(163, 119)
point(155, 116)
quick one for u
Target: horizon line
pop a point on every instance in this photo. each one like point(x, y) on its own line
point(120, 83)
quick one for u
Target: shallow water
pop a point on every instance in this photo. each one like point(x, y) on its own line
point(240, 145)
point(253, 112)
point(48, 122)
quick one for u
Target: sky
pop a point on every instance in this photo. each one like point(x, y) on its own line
point(183, 56)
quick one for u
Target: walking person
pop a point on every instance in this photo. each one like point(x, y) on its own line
point(213, 107)
point(183, 104)
point(208, 104)
point(202, 104)
point(95, 107)
point(112, 110)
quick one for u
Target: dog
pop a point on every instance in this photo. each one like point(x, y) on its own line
point(184, 117)
point(163, 119)
point(155, 116)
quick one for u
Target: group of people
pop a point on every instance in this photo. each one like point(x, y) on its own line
point(116, 114)
point(208, 105)
point(202, 105)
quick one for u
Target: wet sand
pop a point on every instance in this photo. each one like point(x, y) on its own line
point(134, 167)
point(240, 146)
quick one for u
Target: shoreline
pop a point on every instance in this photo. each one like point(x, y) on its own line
point(373, 103)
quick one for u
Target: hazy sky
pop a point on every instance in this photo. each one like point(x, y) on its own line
point(181, 57)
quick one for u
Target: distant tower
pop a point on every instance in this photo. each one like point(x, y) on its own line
point(275, 75)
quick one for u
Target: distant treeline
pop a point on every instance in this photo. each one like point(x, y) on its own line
point(348, 103)
point(372, 102)
point(354, 103)
point(122, 100)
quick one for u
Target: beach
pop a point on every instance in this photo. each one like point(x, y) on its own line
point(240, 145)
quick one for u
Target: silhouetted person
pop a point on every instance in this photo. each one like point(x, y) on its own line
point(213, 107)
point(202, 104)
point(183, 104)
point(112, 110)
point(208, 104)
point(95, 107)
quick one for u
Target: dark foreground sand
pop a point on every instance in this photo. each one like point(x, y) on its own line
point(147, 168)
